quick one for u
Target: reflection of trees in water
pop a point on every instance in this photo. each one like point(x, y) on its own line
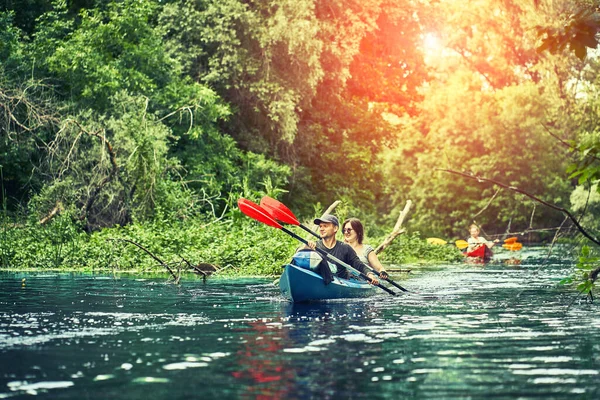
point(331, 371)
point(270, 372)
point(327, 372)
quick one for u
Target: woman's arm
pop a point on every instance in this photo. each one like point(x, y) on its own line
point(491, 244)
point(376, 264)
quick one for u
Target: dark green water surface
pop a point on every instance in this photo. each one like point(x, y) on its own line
point(495, 331)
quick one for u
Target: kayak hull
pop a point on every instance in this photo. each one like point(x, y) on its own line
point(303, 285)
point(483, 252)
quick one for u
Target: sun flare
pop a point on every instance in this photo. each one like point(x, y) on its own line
point(431, 44)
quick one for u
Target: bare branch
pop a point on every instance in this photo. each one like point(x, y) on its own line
point(161, 262)
point(113, 172)
point(56, 210)
point(487, 205)
point(516, 189)
point(397, 228)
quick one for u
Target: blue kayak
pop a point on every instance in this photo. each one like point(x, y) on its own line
point(300, 285)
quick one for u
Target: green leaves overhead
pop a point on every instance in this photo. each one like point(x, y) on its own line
point(576, 31)
point(110, 50)
point(264, 58)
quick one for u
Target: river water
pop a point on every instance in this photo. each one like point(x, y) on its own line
point(495, 330)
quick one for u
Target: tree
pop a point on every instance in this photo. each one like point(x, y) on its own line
point(484, 110)
point(119, 134)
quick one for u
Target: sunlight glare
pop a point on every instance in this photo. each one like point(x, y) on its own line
point(431, 43)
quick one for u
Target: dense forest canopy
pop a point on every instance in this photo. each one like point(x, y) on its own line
point(116, 112)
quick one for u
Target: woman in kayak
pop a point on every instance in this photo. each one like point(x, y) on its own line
point(354, 234)
point(475, 240)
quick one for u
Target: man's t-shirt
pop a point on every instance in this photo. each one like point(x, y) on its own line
point(344, 252)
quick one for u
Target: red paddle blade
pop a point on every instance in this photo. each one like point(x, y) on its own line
point(256, 212)
point(279, 211)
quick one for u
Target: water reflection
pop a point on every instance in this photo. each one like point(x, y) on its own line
point(491, 329)
point(259, 363)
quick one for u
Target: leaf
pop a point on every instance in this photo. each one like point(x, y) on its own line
point(585, 287)
point(580, 50)
point(588, 40)
point(585, 251)
point(575, 174)
point(566, 281)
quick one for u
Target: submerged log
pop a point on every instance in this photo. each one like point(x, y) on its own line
point(161, 262)
point(204, 269)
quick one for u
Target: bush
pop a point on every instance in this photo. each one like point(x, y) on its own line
point(244, 246)
point(412, 248)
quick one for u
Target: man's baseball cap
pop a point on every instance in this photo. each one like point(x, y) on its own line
point(327, 218)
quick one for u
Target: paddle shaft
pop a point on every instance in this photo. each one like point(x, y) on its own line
point(337, 260)
point(270, 211)
point(366, 265)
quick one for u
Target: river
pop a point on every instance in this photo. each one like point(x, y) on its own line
point(494, 330)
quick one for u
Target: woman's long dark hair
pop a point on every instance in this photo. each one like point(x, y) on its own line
point(358, 228)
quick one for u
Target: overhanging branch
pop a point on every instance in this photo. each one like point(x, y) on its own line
point(521, 191)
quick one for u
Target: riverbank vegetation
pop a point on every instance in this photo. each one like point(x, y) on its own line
point(229, 247)
point(146, 120)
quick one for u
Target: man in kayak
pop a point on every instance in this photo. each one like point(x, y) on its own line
point(328, 227)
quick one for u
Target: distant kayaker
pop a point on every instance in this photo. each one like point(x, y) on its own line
point(475, 240)
point(354, 235)
point(328, 227)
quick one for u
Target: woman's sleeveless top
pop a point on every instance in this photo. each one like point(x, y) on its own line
point(364, 257)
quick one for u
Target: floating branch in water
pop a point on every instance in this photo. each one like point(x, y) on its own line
point(161, 262)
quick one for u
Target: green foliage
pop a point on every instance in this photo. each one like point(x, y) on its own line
point(143, 140)
point(242, 248)
point(497, 135)
point(586, 270)
point(585, 202)
point(110, 50)
point(109, 168)
point(261, 57)
point(10, 47)
point(26, 12)
point(576, 30)
point(41, 246)
point(412, 248)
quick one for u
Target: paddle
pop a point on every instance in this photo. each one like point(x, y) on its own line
point(513, 246)
point(258, 213)
point(283, 214)
point(436, 241)
point(462, 244)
